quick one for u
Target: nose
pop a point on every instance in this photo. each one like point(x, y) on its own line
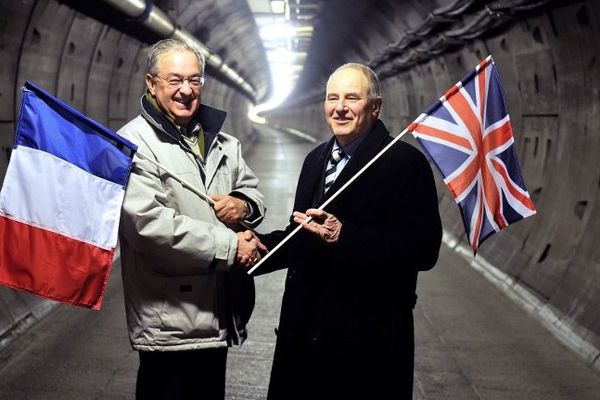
point(186, 88)
point(340, 106)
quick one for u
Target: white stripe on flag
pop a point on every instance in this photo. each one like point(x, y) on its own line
point(48, 192)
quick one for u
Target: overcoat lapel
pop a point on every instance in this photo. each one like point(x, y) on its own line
point(363, 154)
point(312, 190)
point(212, 121)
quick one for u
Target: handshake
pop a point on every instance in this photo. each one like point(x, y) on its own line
point(249, 249)
point(318, 222)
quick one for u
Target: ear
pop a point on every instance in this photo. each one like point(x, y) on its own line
point(150, 84)
point(376, 106)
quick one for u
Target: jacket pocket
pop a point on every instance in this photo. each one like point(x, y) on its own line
point(190, 307)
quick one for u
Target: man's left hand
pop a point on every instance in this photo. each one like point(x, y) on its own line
point(229, 209)
point(326, 226)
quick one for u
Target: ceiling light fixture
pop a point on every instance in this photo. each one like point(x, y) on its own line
point(278, 6)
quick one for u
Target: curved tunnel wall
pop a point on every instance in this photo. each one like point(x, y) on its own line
point(549, 66)
point(97, 65)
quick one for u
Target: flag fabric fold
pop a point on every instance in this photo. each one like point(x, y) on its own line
point(468, 135)
point(60, 202)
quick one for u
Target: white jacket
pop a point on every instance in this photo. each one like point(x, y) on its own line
point(181, 292)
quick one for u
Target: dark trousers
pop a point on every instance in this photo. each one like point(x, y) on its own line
point(375, 368)
point(182, 375)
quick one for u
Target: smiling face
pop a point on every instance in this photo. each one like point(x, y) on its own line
point(349, 110)
point(178, 103)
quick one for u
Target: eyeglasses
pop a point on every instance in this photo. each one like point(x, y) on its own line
point(175, 82)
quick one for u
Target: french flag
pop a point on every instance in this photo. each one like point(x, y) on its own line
point(60, 202)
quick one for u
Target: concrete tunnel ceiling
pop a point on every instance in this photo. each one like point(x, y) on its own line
point(91, 55)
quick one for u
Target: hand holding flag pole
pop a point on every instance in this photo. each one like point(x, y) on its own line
point(329, 200)
point(187, 185)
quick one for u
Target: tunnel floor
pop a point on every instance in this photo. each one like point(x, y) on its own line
point(472, 342)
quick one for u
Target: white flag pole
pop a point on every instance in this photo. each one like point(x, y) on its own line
point(185, 184)
point(419, 119)
point(329, 200)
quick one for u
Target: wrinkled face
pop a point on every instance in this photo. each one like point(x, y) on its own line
point(349, 111)
point(179, 103)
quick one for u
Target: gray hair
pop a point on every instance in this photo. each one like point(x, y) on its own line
point(167, 46)
point(368, 72)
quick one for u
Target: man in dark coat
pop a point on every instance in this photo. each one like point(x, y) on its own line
point(346, 324)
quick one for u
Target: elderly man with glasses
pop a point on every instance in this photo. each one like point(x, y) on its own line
point(187, 295)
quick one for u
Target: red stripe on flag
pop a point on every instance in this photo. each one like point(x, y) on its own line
point(461, 182)
point(52, 265)
point(424, 129)
point(498, 137)
point(524, 199)
point(450, 92)
point(468, 117)
point(484, 63)
point(478, 223)
point(482, 76)
point(492, 196)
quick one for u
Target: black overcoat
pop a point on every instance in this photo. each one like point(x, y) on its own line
point(346, 325)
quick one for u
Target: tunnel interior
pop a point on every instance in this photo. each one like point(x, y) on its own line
point(91, 55)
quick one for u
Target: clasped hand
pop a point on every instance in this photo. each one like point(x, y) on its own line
point(326, 226)
point(249, 249)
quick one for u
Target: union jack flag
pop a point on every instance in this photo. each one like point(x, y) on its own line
point(468, 135)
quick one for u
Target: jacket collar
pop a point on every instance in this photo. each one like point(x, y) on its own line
point(369, 147)
point(366, 150)
point(211, 119)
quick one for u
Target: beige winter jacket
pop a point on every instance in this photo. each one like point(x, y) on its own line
point(181, 292)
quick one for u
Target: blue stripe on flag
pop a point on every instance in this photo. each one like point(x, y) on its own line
point(469, 87)
point(443, 113)
point(468, 77)
point(445, 157)
point(509, 158)
point(433, 107)
point(48, 124)
point(495, 108)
